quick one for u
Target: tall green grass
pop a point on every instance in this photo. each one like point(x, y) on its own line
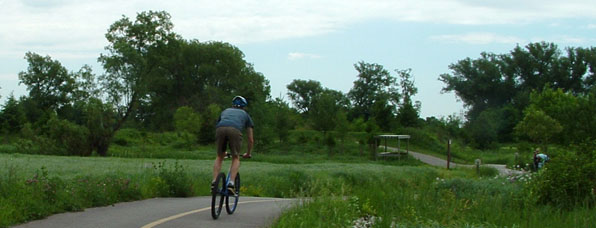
point(421, 198)
point(337, 194)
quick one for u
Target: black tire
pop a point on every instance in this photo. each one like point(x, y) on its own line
point(231, 208)
point(217, 195)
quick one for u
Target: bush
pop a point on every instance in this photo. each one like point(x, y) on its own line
point(172, 182)
point(68, 138)
point(487, 171)
point(567, 180)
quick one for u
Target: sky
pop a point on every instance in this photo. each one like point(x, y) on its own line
point(306, 39)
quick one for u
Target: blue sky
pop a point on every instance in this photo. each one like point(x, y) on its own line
point(310, 39)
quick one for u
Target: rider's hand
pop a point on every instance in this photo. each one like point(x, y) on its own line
point(246, 155)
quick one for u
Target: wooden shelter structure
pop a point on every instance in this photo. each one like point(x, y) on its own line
point(399, 138)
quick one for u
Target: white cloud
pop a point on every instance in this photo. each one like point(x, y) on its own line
point(73, 26)
point(479, 38)
point(591, 26)
point(564, 40)
point(298, 55)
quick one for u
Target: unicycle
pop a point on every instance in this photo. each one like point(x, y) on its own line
point(231, 198)
point(220, 193)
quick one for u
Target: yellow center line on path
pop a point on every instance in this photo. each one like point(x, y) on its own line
point(164, 220)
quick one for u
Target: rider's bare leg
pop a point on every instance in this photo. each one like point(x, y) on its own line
point(235, 167)
point(217, 165)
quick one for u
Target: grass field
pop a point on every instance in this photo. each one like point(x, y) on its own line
point(341, 193)
point(344, 187)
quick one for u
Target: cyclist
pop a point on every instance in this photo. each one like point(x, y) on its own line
point(228, 133)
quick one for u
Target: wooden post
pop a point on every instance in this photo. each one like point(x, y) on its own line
point(448, 153)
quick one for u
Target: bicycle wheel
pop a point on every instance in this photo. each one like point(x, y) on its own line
point(218, 195)
point(231, 208)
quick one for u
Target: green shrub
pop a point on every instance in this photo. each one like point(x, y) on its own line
point(470, 189)
point(172, 182)
point(566, 180)
point(487, 171)
point(68, 138)
point(120, 141)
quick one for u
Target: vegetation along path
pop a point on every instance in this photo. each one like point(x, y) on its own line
point(169, 212)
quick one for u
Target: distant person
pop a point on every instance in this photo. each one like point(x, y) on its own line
point(542, 159)
point(230, 125)
point(536, 159)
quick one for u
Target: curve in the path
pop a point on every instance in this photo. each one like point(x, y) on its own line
point(435, 161)
point(170, 212)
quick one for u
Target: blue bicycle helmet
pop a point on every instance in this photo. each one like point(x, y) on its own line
point(239, 102)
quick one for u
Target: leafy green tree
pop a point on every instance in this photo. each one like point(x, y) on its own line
point(48, 82)
point(342, 127)
point(538, 126)
point(196, 74)
point(374, 84)
point(100, 118)
point(209, 118)
point(131, 62)
point(384, 114)
point(302, 93)
point(188, 124)
point(484, 129)
point(408, 112)
point(574, 112)
point(12, 117)
point(495, 81)
point(283, 119)
point(67, 138)
point(323, 112)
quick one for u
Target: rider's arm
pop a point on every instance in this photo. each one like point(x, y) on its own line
point(251, 140)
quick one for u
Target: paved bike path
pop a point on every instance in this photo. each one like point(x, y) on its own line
point(434, 161)
point(169, 212)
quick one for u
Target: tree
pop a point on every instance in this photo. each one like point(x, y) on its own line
point(323, 112)
point(485, 129)
point(131, 61)
point(50, 85)
point(12, 117)
point(496, 81)
point(574, 112)
point(374, 84)
point(538, 126)
point(188, 124)
point(283, 119)
point(342, 127)
point(195, 74)
point(209, 118)
point(302, 93)
point(408, 112)
point(100, 119)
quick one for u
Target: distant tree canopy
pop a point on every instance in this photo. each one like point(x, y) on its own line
point(374, 86)
point(150, 72)
point(156, 80)
point(302, 93)
point(503, 83)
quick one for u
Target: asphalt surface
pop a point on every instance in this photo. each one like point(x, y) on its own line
point(434, 161)
point(170, 212)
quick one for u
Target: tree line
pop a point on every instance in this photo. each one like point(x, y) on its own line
point(156, 80)
point(503, 92)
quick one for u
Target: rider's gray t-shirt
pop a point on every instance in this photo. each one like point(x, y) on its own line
point(236, 118)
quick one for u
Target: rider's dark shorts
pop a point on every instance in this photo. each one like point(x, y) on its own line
point(228, 136)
